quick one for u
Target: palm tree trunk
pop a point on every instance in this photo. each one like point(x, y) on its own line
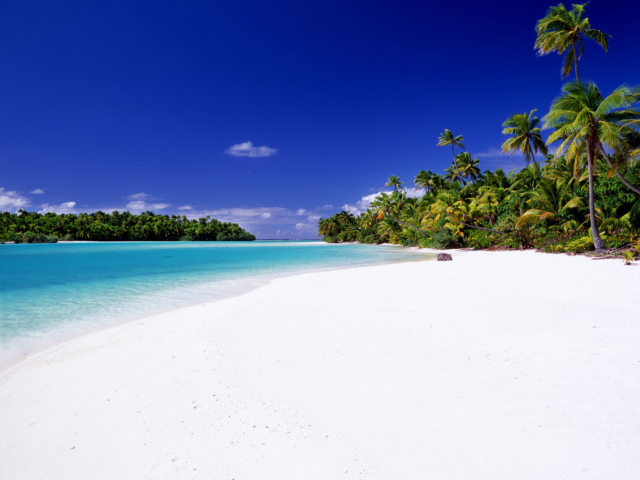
point(455, 162)
point(575, 60)
point(597, 241)
point(622, 179)
point(407, 225)
point(535, 163)
point(482, 228)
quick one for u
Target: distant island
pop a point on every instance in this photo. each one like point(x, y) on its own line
point(32, 227)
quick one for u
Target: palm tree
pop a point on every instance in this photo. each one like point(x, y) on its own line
point(390, 207)
point(423, 180)
point(395, 183)
point(468, 166)
point(525, 138)
point(586, 122)
point(549, 199)
point(447, 138)
point(561, 30)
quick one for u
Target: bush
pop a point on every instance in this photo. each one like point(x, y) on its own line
point(479, 239)
point(29, 237)
point(186, 238)
point(506, 223)
point(68, 238)
point(329, 239)
point(443, 240)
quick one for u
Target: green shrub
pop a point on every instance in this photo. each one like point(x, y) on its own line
point(186, 238)
point(68, 238)
point(329, 239)
point(443, 240)
point(479, 239)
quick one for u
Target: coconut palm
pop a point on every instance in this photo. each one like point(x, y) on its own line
point(586, 122)
point(525, 137)
point(447, 138)
point(423, 180)
point(394, 182)
point(549, 199)
point(562, 30)
point(468, 166)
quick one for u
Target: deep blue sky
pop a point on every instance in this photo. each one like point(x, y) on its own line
point(104, 100)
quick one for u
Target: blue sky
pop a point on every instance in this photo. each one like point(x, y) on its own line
point(267, 113)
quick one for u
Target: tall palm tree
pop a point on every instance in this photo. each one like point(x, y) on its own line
point(585, 122)
point(562, 30)
point(525, 138)
point(394, 182)
point(447, 138)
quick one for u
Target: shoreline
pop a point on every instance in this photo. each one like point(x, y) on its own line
point(318, 375)
point(58, 334)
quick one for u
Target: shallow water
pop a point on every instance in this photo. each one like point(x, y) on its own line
point(51, 292)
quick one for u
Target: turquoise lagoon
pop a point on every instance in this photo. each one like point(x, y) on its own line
point(52, 292)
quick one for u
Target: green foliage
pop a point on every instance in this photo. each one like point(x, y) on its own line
point(29, 237)
point(186, 238)
point(67, 238)
point(443, 240)
point(100, 226)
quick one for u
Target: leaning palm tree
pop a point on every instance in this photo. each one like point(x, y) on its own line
point(447, 138)
point(586, 122)
point(525, 137)
point(394, 182)
point(561, 31)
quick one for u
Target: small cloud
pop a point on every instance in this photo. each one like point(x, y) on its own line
point(491, 153)
point(313, 218)
point(66, 207)
point(301, 211)
point(246, 149)
point(266, 215)
point(140, 196)
point(37, 191)
point(328, 206)
point(137, 206)
point(185, 207)
point(11, 201)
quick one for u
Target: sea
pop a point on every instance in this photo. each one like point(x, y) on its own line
point(53, 292)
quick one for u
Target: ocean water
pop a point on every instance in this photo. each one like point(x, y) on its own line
point(52, 292)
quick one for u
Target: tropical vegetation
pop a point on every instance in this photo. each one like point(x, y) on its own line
point(32, 227)
point(583, 196)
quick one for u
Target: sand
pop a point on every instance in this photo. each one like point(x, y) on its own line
point(510, 365)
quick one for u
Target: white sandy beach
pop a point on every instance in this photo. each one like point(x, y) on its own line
point(511, 365)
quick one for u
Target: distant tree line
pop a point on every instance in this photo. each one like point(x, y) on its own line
point(32, 227)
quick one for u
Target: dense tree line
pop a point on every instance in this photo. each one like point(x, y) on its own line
point(584, 197)
point(34, 227)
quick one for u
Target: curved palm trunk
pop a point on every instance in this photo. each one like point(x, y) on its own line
point(482, 228)
point(407, 225)
point(597, 241)
point(622, 179)
point(535, 163)
point(575, 60)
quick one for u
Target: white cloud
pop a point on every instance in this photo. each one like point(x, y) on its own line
point(37, 191)
point(66, 207)
point(328, 206)
point(11, 201)
point(491, 153)
point(361, 205)
point(140, 196)
point(137, 206)
point(246, 149)
point(266, 215)
point(185, 207)
point(313, 218)
point(301, 211)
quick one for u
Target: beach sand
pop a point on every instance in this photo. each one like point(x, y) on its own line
point(505, 365)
